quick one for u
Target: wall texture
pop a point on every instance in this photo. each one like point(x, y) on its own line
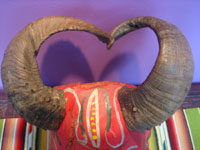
point(69, 57)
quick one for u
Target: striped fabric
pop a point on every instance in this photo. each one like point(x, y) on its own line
point(40, 140)
point(181, 131)
point(193, 122)
point(30, 137)
point(13, 134)
point(16, 134)
point(2, 125)
point(153, 143)
point(178, 131)
point(163, 137)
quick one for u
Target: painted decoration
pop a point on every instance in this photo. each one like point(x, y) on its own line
point(93, 120)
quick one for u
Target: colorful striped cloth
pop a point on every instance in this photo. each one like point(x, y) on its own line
point(178, 131)
point(16, 134)
point(181, 131)
point(12, 134)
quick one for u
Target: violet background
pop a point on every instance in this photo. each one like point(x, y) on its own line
point(69, 57)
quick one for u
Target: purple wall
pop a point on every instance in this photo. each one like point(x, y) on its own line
point(70, 57)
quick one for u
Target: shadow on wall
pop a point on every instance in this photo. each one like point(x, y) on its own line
point(64, 60)
point(64, 63)
point(123, 65)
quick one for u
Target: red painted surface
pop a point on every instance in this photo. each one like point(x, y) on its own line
point(94, 121)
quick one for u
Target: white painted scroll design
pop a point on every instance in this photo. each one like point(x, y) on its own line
point(84, 141)
point(119, 122)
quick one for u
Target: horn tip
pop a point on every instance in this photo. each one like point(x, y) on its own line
point(110, 44)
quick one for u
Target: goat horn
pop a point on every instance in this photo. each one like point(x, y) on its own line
point(40, 105)
point(164, 90)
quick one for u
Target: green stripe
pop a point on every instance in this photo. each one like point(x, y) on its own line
point(41, 139)
point(159, 138)
point(81, 114)
point(2, 124)
point(108, 110)
point(59, 142)
point(153, 145)
point(192, 117)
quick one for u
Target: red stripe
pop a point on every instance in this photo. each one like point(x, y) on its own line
point(30, 128)
point(9, 132)
point(182, 130)
point(172, 133)
point(8, 135)
point(20, 134)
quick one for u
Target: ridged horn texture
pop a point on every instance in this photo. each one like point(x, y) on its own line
point(164, 90)
point(40, 105)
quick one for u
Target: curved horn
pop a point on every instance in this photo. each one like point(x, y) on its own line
point(164, 90)
point(40, 105)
